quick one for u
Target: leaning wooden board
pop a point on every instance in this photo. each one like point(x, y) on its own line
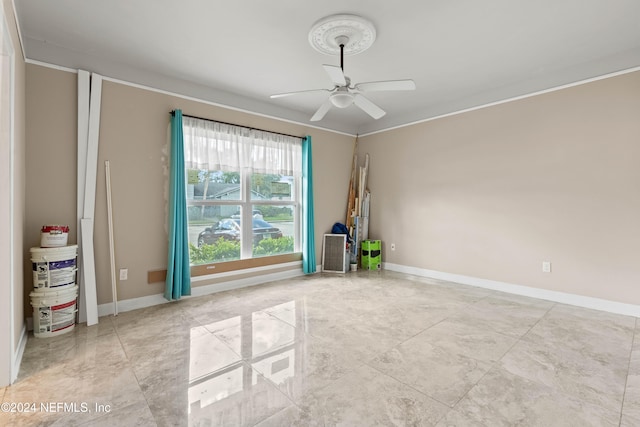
point(351, 199)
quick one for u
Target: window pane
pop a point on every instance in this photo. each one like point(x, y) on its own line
point(216, 185)
point(214, 233)
point(271, 187)
point(273, 230)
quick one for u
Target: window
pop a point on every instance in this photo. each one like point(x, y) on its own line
point(243, 192)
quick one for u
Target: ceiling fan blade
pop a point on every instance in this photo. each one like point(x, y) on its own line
point(324, 108)
point(281, 95)
point(335, 74)
point(386, 85)
point(368, 107)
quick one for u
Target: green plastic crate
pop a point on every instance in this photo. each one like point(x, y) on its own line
point(371, 256)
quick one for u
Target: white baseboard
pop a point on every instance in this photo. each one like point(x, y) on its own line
point(545, 294)
point(131, 304)
point(148, 301)
point(17, 357)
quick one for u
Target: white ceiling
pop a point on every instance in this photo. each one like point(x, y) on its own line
point(461, 54)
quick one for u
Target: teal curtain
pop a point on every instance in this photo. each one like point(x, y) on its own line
point(178, 269)
point(308, 231)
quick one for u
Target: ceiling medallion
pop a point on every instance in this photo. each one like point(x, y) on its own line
point(360, 34)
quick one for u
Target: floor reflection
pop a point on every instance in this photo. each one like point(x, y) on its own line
point(230, 360)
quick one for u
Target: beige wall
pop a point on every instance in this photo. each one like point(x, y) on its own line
point(494, 192)
point(133, 137)
point(51, 158)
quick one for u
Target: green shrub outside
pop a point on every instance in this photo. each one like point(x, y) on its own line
point(227, 250)
point(222, 250)
point(281, 245)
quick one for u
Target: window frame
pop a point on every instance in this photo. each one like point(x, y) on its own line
point(247, 205)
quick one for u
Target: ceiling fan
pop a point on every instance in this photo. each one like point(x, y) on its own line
point(345, 94)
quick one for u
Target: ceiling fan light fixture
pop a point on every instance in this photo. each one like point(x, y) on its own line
point(342, 99)
point(347, 35)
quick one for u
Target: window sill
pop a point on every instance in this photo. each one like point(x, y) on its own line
point(228, 266)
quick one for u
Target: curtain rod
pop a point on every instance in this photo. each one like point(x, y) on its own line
point(233, 124)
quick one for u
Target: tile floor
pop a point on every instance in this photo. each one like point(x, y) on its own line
point(364, 349)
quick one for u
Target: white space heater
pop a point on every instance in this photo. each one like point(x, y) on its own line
point(334, 253)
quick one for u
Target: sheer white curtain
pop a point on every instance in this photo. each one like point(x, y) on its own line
point(219, 146)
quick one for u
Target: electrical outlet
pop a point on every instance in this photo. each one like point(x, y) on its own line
point(546, 266)
point(393, 246)
point(124, 273)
